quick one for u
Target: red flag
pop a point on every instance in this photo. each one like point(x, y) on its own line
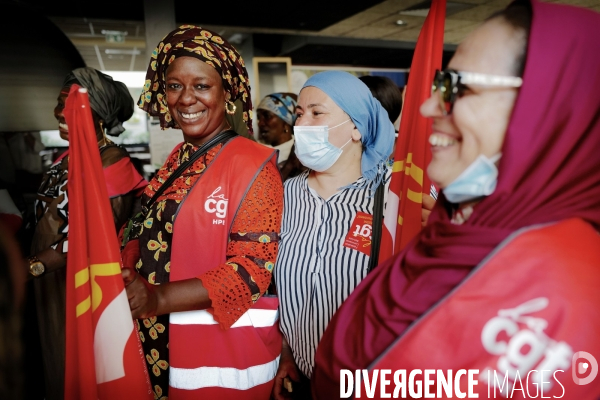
point(402, 218)
point(104, 357)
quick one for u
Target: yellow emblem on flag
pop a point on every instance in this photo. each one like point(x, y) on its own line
point(83, 276)
point(414, 172)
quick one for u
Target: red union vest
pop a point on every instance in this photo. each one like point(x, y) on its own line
point(205, 360)
point(531, 306)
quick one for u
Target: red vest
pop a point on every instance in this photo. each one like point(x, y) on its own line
point(528, 311)
point(207, 361)
point(120, 177)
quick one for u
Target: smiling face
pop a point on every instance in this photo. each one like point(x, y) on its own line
point(273, 130)
point(479, 119)
point(196, 99)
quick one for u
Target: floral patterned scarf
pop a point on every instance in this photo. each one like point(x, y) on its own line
point(207, 46)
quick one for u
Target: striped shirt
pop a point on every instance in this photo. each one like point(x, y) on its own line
point(315, 272)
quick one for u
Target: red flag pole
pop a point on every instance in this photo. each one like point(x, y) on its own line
point(402, 219)
point(104, 357)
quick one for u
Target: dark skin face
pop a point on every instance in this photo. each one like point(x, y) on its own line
point(196, 99)
point(63, 128)
point(272, 128)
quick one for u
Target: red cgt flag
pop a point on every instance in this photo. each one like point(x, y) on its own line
point(104, 357)
point(402, 217)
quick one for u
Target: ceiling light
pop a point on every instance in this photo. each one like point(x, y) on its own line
point(114, 36)
point(401, 23)
point(236, 38)
point(123, 52)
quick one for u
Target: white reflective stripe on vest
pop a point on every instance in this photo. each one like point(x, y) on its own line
point(257, 318)
point(230, 378)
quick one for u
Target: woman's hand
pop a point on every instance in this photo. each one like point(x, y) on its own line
point(147, 300)
point(143, 297)
point(52, 260)
point(130, 255)
point(287, 369)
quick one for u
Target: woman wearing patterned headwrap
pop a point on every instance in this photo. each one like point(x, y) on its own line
point(111, 105)
point(204, 253)
point(276, 115)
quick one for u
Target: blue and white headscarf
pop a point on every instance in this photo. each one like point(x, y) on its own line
point(371, 119)
point(281, 104)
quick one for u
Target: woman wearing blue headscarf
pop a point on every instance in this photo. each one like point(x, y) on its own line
point(344, 136)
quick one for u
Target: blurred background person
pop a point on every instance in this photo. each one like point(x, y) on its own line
point(20, 160)
point(388, 94)
point(276, 115)
point(10, 215)
point(12, 296)
point(515, 232)
point(111, 105)
point(344, 136)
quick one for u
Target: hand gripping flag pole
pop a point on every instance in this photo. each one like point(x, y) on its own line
point(104, 357)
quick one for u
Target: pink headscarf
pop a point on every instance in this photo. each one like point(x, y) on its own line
point(550, 171)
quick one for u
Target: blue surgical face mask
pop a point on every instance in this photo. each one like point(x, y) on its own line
point(313, 148)
point(478, 180)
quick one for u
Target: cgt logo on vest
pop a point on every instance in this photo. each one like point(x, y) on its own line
point(528, 358)
point(217, 204)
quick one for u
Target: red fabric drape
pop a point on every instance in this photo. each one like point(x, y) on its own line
point(103, 353)
point(402, 220)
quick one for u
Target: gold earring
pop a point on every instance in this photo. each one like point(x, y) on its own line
point(104, 139)
point(229, 110)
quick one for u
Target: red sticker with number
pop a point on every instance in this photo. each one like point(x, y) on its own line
point(360, 235)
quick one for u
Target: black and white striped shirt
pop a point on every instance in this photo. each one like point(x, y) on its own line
point(315, 272)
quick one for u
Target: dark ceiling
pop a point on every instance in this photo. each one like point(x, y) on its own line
point(309, 15)
point(37, 56)
point(375, 57)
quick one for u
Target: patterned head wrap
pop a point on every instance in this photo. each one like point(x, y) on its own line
point(281, 104)
point(207, 46)
point(110, 99)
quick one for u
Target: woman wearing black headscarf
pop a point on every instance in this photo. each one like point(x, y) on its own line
point(111, 105)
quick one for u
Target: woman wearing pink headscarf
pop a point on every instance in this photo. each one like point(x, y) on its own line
point(505, 277)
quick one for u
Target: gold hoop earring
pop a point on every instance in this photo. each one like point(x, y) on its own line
point(229, 110)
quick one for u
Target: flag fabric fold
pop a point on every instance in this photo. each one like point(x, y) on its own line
point(104, 357)
point(402, 216)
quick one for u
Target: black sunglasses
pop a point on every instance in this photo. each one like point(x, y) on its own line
point(451, 84)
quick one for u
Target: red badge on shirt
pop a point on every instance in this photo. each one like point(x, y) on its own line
point(360, 234)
